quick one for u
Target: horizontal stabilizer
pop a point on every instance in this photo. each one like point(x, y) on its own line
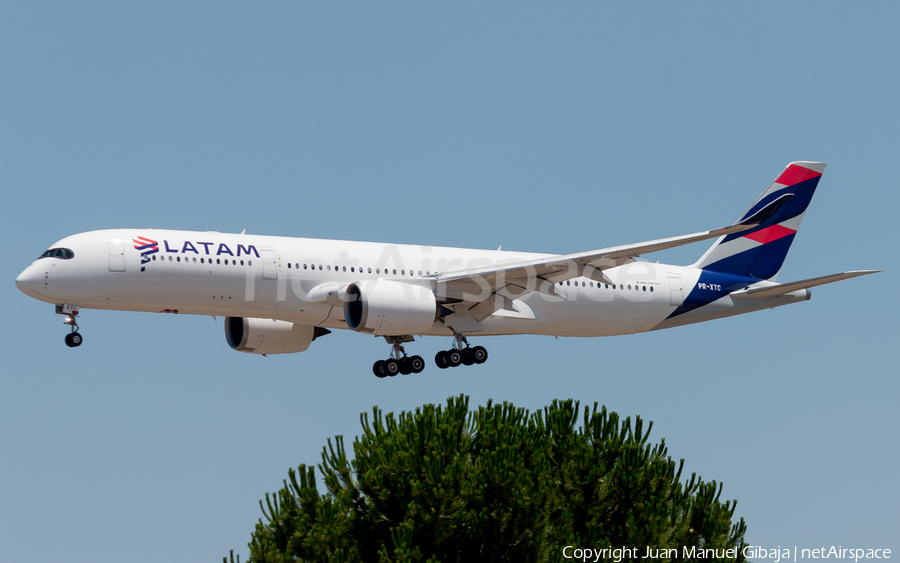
point(781, 289)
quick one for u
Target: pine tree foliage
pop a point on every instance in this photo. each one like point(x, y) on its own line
point(443, 484)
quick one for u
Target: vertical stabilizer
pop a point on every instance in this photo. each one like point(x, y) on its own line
point(760, 252)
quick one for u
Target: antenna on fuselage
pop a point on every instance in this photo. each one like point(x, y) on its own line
point(244, 231)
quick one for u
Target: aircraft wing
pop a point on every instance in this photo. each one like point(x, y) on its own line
point(514, 279)
point(782, 288)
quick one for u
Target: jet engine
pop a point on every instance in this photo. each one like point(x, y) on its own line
point(268, 336)
point(389, 308)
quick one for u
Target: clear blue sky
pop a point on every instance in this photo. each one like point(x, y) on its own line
point(541, 127)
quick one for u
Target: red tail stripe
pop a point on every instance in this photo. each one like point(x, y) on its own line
point(796, 174)
point(769, 234)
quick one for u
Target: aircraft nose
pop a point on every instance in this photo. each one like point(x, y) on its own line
point(28, 281)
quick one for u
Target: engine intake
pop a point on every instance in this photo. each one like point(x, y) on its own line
point(389, 308)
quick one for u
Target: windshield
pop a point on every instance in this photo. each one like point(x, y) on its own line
point(61, 253)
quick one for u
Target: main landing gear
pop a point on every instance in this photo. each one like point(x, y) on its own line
point(73, 339)
point(399, 362)
point(461, 355)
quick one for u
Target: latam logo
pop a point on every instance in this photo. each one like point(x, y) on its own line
point(146, 247)
point(221, 248)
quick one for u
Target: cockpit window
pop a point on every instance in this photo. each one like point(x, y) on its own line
point(61, 253)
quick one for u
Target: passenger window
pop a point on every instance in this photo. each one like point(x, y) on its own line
point(289, 265)
point(218, 261)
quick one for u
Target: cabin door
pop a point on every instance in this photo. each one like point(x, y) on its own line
point(270, 266)
point(116, 256)
point(676, 292)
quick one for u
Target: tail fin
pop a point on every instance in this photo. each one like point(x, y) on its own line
point(760, 252)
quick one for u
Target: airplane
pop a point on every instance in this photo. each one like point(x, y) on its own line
point(279, 294)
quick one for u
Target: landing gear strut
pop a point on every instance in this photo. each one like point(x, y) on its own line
point(460, 354)
point(73, 339)
point(398, 362)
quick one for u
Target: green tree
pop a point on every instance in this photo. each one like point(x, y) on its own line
point(443, 484)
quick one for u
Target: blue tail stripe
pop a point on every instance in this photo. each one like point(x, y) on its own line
point(803, 194)
point(761, 262)
point(766, 201)
point(701, 295)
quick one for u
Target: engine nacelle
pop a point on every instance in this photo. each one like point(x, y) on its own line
point(389, 308)
point(268, 336)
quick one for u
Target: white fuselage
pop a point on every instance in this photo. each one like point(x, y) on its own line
point(240, 275)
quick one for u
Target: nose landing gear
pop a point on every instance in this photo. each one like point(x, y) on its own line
point(74, 338)
point(399, 362)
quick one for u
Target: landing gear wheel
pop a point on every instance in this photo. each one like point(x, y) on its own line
point(417, 364)
point(378, 369)
point(441, 360)
point(454, 358)
point(468, 357)
point(480, 354)
point(405, 367)
point(73, 340)
point(391, 367)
